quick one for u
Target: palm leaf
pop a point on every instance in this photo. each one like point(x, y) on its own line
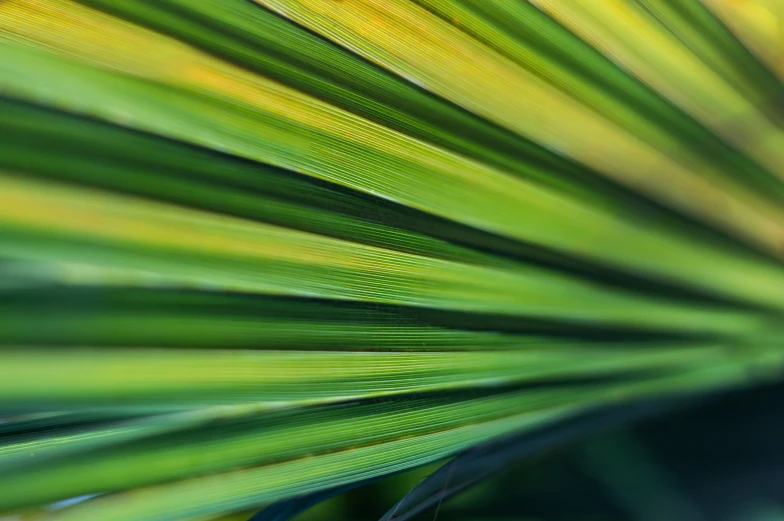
point(259, 253)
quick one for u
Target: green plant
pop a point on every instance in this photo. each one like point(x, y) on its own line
point(252, 252)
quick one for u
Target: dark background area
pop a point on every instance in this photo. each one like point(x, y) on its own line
point(720, 460)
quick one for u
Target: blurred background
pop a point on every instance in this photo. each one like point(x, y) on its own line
point(721, 460)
